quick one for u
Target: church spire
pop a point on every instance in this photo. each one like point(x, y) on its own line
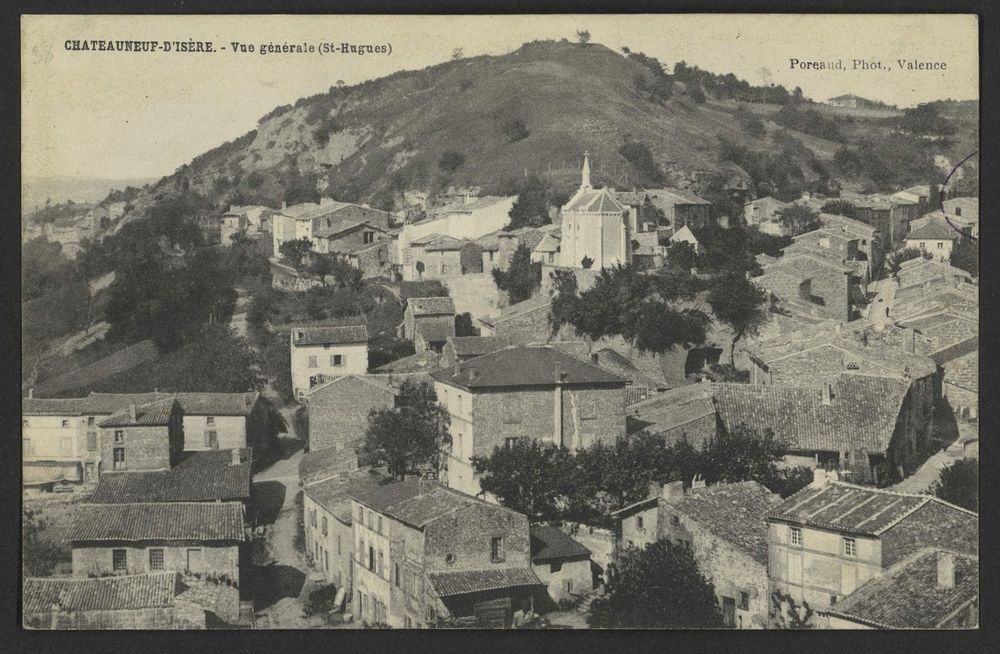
point(585, 184)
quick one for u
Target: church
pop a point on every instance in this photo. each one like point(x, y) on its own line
point(595, 225)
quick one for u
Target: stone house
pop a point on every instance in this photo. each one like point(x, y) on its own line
point(725, 527)
point(253, 219)
point(427, 553)
point(811, 279)
point(595, 225)
point(337, 235)
point(377, 259)
point(523, 323)
point(194, 538)
point(54, 444)
point(762, 213)
point(865, 236)
point(933, 589)
point(299, 221)
point(831, 538)
point(561, 563)
point(685, 235)
point(338, 411)
point(463, 348)
point(437, 256)
point(149, 601)
point(934, 237)
point(428, 322)
point(681, 208)
point(525, 392)
point(326, 350)
point(146, 436)
point(857, 423)
point(685, 412)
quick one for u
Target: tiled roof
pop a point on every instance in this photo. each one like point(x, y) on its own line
point(317, 465)
point(198, 477)
point(893, 359)
point(334, 493)
point(594, 201)
point(468, 346)
point(672, 409)
point(736, 513)
point(963, 372)
point(387, 492)
point(199, 404)
point(525, 366)
point(908, 595)
point(846, 225)
point(125, 592)
point(158, 521)
point(861, 415)
point(152, 414)
point(428, 506)
point(634, 198)
point(623, 367)
point(429, 306)
point(426, 361)
point(369, 380)
point(436, 331)
point(551, 544)
point(933, 230)
point(848, 507)
point(674, 196)
point(468, 207)
point(330, 335)
point(448, 584)
point(539, 302)
point(52, 407)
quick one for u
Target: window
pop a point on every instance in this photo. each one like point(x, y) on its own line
point(24, 423)
point(458, 398)
point(91, 440)
point(850, 547)
point(337, 360)
point(338, 544)
point(90, 421)
point(324, 525)
point(555, 567)
point(312, 362)
point(444, 268)
point(509, 442)
point(209, 420)
point(940, 245)
point(923, 245)
point(119, 437)
point(66, 446)
point(958, 211)
point(639, 523)
point(361, 514)
point(340, 583)
point(395, 574)
point(119, 458)
point(744, 604)
point(378, 568)
point(380, 524)
point(119, 560)
point(371, 557)
point(568, 585)
point(496, 549)
point(833, 600)
point(370, 520)
point(156, 559)
point(212, 440)
point(795, 536)
point(449, 558)
point(26, 443)
point(65, 423)
point(408, 622)
point(675, 519)
point(326, 559)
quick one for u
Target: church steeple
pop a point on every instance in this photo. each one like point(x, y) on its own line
point(585, 184)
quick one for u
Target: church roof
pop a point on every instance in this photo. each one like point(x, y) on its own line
point(590, 200)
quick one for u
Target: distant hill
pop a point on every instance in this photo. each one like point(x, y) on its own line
point(82, 190)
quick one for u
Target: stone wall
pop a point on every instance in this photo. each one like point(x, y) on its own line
point(97, 559)
point(146, 448)
point(566, 579)
point(476, 294)
point(338, 413)
point(466, 534)
point(601, 542)
point(180, 616)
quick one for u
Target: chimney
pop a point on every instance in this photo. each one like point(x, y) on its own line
point(819, 478)
point(131, 412)
point(672, 491)
point(945, 570)
point(232, 208)
point(456, 367)
point(558, 373)
point(31, 392)
point(697, 482)
point(237, 456)
point(827, 393)
point(284, 205)
point(908, 340)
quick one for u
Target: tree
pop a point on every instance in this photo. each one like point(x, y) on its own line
point(464, 326)
point(741, 304)
point(840, 208)
point(925, 119)
point(642, 161)
point(409, 437)
point(965, 255)
point(798, 219)
point(516, 130)
point(295, 250)
point(521, 278)
point(451, 161)
point(958, 483)
point(564, 297)
point(681, 255)
point(696, 93)
point(895, 260)
point(789, 481)
point(531, 209)
point(786, 614)
point(742, 454)
point(39, 556)
point(660, 587)
point(583, 36)
point(526, 476)
point(587, 263)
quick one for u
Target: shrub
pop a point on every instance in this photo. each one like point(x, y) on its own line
point(515, 129)
point(451, 161)
point(642, 161)
point(320, 601)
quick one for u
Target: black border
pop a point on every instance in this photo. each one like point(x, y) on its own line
point(13, 639)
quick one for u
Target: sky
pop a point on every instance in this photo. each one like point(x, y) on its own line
point(127, 115)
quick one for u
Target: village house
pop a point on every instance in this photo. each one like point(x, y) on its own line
point(463, 348)
point(685, 235)
point(865, 238)
point(933, 589)
point(498, 247)
point(686, 412)
point(426, 553)
point(595, 225)
point(252, 219)
point(858, 424)
point(211, 421)
point(832, 538)
point(326, 350)
point(934, 237)
point(437, 256)
point(525, 392)
point(561, 563)
point(54, 445)
point(150, 601)
point(204, 541)
point(818, 283)
point(428, 322)
point(762, 213)
point(681, 208)
point(338, 412)
point(297, 222)
point(521, 323)
point(725, 528)
point(146, 436)
point(286, 277)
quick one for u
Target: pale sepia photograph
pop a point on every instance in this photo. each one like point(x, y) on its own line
point(577, 321)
